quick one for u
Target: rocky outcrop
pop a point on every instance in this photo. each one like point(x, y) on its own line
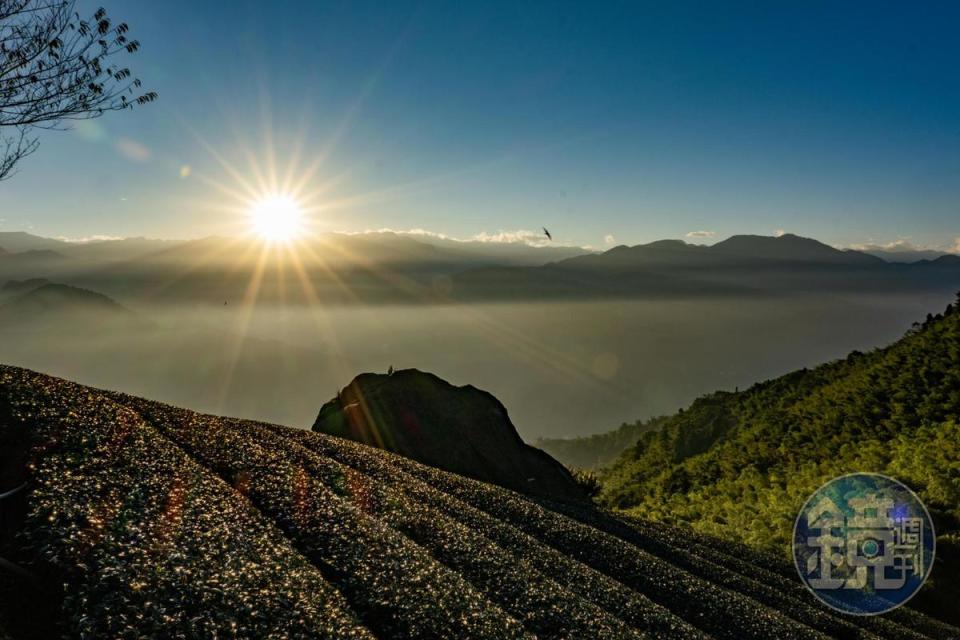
point(459, 429)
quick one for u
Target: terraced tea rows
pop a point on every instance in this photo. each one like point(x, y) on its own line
point(149, 541)
point(160, 518)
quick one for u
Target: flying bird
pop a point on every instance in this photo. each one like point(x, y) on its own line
point(546, 232)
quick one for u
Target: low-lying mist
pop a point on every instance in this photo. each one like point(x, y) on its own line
point(562, 369)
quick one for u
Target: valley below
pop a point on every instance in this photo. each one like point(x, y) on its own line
point(562, 369)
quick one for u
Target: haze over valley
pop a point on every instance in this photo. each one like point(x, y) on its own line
point(220, 326)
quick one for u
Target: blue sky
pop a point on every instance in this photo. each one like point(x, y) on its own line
point(632, 120)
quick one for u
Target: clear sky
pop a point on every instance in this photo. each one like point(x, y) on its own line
point(606, 122)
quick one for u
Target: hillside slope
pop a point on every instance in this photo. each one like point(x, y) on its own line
point(741, 464)
point(161, 520)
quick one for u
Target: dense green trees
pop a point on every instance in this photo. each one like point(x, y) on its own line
point(740, 465)
point(747, 460)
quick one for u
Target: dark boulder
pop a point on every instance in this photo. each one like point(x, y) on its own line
point(459, 429)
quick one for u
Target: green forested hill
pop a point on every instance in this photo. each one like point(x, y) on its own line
point(741, 464)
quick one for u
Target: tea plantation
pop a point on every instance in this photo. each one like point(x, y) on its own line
point(139, 519)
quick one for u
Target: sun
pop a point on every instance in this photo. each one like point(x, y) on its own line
point(276, 218)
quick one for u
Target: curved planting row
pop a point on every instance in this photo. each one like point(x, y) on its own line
point(718, 611)
point(541, 604)
point(149, 543)
point(612, 596)
point(744, 577)
point(523, 514)
point(397, 588)
point(545, 607)
point(776, 572)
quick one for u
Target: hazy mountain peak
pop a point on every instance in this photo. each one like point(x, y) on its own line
point(18, 241)
point(50, 301)
point(903, 255)
point(790, 247)
point(668, 243)
point(58, 293)
point(752, 240)
point(23, 286)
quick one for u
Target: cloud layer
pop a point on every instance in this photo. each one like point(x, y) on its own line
point(905, 245)
point(515, 236)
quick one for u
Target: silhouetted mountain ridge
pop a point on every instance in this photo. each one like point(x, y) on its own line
point(743, 265)
point(949, 260)
point(736, 250)
point(904, 255)
point(17, 241)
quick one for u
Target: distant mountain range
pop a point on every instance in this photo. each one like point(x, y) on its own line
point(949, 260)
point(744, 250)
point(410, 268)
point(334, 268)
point(17, 241)
point(382, 247)
point(739, 266)
point(904, 255)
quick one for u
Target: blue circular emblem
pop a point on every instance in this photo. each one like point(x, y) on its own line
point(863, 543)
